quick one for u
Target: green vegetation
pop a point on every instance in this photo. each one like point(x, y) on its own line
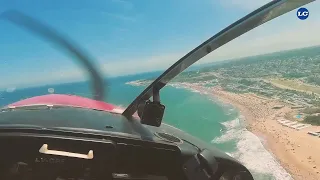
point(311, 110)
point(246, 82)
point(290, 76)
point(294, 85)
point(293, 75)
point(314, 120)
point(314, 79)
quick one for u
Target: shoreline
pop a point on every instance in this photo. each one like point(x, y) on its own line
point(296, 151)
point(298, 154)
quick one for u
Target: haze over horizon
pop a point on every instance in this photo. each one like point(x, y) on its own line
point(134, 37)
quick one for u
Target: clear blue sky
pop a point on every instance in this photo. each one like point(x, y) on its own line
point(122, 35)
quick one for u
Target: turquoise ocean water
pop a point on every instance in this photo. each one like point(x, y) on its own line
point(213, 122)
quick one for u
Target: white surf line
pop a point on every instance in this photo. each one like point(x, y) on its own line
point(248, 146)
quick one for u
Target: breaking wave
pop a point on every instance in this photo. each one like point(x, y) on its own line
point(251, 152)
point(249, 149)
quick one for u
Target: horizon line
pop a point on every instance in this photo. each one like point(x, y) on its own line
point(111, 77)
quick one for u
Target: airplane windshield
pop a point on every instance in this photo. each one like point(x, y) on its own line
point(256, 97)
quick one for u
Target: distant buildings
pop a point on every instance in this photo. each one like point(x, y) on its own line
point(251, 75)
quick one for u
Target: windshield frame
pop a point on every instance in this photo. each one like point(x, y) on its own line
point(254, 19)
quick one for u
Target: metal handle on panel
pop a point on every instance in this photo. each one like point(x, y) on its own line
point(44, 150)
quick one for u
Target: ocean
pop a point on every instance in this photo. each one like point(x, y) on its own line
point(200, 115)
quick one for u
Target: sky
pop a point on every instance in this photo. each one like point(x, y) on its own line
point(127, 37)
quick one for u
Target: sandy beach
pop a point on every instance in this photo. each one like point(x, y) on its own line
point(297, 151)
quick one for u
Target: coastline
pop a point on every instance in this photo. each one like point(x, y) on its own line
point(296, 151)
point(290, 153)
